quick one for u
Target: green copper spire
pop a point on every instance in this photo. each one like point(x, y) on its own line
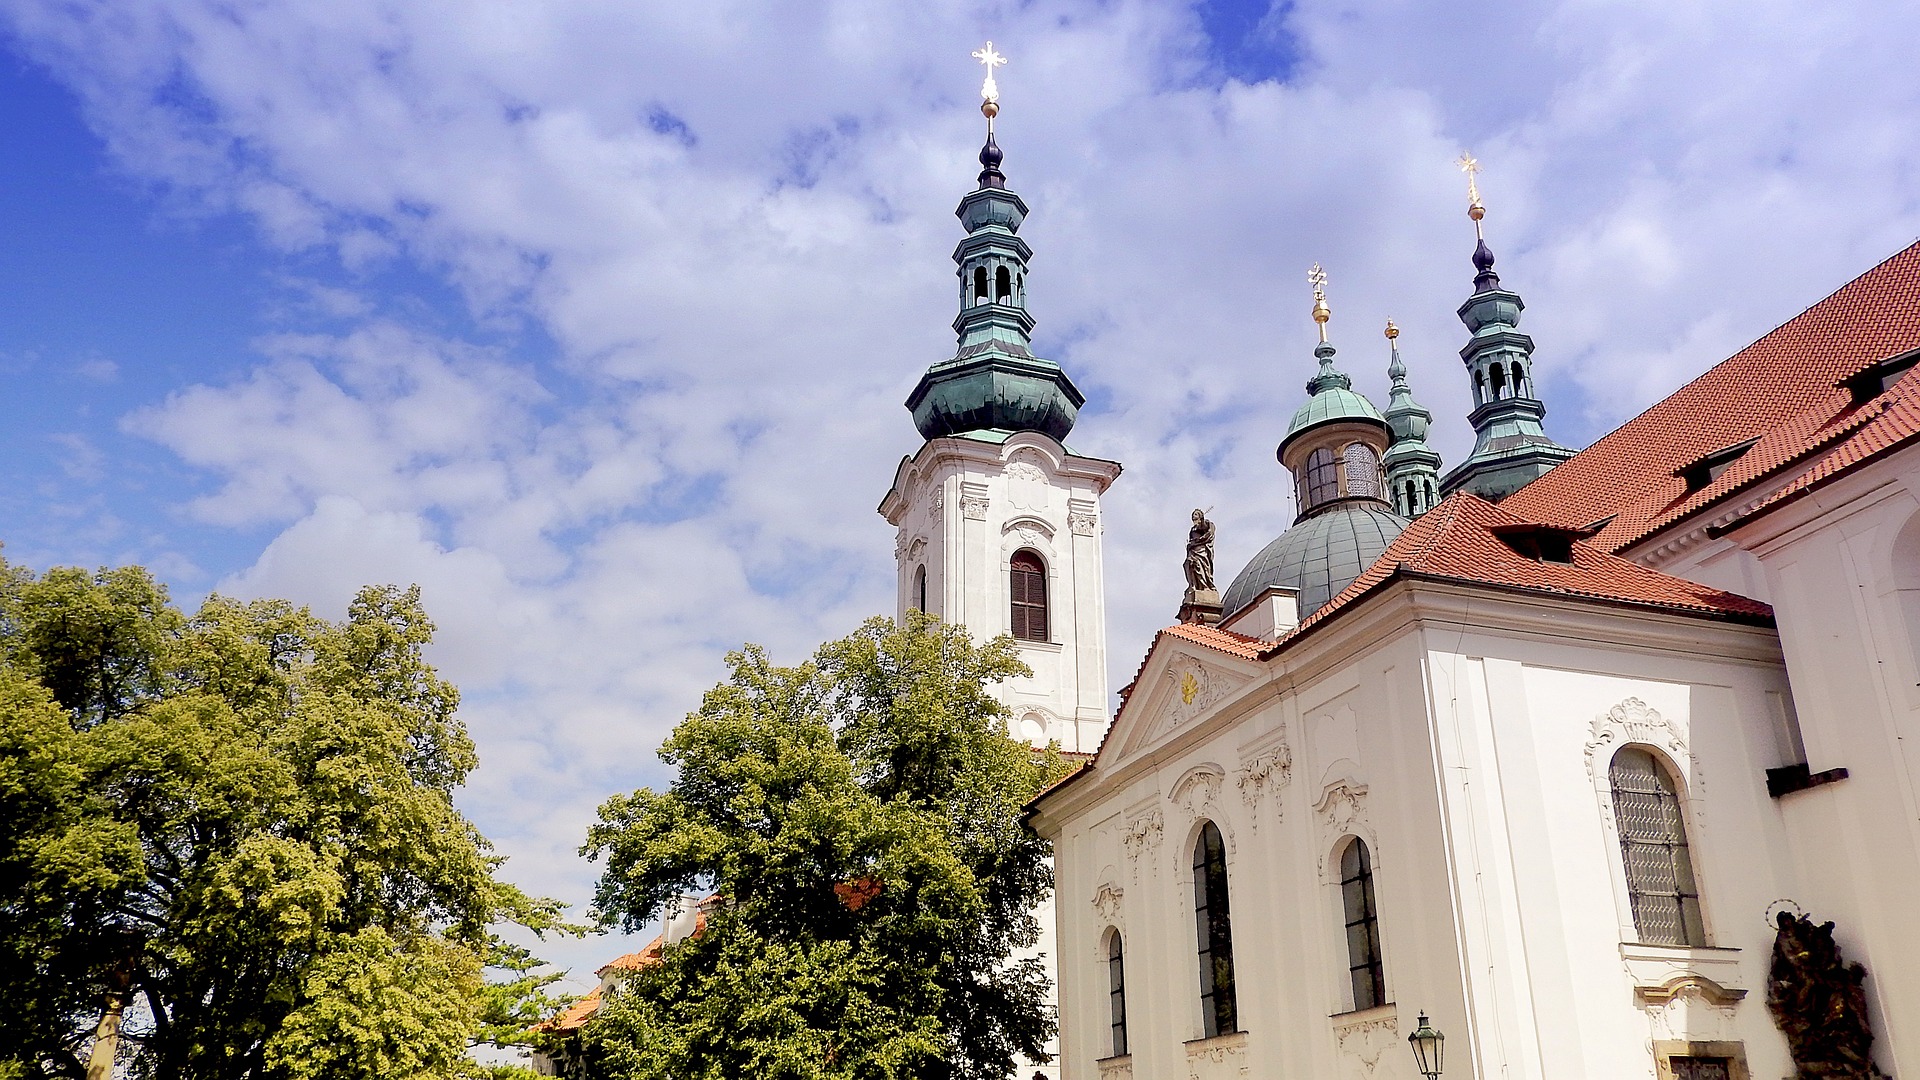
point(1412, 467)
point(994, 381)
point(1330, 395)
point(1510, 448)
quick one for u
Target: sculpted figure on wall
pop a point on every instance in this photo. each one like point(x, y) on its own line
point(1819, 1003)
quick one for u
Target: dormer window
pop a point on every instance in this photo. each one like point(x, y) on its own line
point(1879, 378)
point(1543, 543)
point(1698, 474)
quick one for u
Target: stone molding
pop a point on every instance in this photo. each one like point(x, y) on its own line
point(1106, 901)
point(973, 501)
point(1116, 1068)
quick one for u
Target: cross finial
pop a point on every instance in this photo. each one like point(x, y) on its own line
point(1474, 210)
point(1321, 312)
point(989, 90)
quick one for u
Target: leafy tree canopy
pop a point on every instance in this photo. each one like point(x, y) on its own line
point(240, 824)
point(860, 818)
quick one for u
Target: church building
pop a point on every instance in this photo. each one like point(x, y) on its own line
point(1603, 765)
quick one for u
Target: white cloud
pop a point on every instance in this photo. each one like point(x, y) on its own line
point(733, 220)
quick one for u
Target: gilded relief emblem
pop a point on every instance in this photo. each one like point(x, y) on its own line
point(1189, 686)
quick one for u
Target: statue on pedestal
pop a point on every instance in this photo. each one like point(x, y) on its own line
point(1202, 602)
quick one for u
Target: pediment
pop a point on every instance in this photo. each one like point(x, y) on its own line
point(1180, 685)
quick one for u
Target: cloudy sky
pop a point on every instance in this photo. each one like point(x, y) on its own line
point(594, 318)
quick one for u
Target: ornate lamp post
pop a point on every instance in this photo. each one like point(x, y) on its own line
point(1428, 1045)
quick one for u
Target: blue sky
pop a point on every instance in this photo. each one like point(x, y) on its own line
point(595, 318)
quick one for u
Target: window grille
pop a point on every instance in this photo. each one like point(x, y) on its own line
point(1117, 993)
point(1217, 1007)
point(1028, 582)
point(1363, 470)
point(1653, 845)
point(1323, 481)
point(1701, 1068)
point(1364, 966)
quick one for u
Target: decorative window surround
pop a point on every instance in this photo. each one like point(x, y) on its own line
point(1665, 1050)
point(1635, 722)
point(1660, 972)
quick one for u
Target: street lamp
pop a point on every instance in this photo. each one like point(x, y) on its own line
point(1427, 1046)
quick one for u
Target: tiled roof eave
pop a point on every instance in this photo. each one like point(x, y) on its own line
point(1403, 572)
point(1793, 494)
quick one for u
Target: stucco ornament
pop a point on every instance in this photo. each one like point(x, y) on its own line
point(1342, 805)
point(1198, 790)
point(1264, 770)
point(1083, 522)
point(900, 544)
point(1223, 1057)
point(1026, 482)
point(973, 501)
point(1196, 688)
point(1106, 900)
point(1143, 833)
point(1364, 1042)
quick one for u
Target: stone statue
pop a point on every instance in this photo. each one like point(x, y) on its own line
point(1818, 1001)
point(1199, 564)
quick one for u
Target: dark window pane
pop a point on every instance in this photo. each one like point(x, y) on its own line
point(1363, 927)
point(1214, 929)
point(1653, 848)
point(1117, 994)
point(1027, 587)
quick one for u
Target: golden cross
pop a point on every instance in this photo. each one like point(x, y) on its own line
point(1318, 279)
point(1472, 169)
point(989, 91)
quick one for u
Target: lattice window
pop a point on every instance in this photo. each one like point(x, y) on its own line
point(1653, 845)
point(1218, 1012)
point(1701, 1068)
point(1117, 993)
point(1363, 470)
point(1027, 579)
point(1364, 966)
point(1323, 478)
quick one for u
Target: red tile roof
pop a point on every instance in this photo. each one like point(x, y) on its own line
point(1457, 541)
point(574, 1016)
point(1784, 390)
point(1888, 423)
point(1226, 641)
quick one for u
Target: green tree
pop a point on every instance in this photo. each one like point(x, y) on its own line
point(240, 827)
point(860, 817)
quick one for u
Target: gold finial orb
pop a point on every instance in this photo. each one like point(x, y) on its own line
point(989, 109)
point(1392, 330)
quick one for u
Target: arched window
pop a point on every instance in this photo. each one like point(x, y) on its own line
point(1117, 993)
point(979, 284)
point(1519, 380)
point(1363, 927)
point(1479, 387)
point(1323, 480)
point(1002, 285)
point(1498, 381)
point(920, 587)
point(1218, 1014)
point(1653, 844)
point(1363, 470)
point(1028, 580)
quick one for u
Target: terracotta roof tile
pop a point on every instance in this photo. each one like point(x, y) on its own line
point(574, 1016)
point(1889, 423)
point(1226, 641)
point(1455, 541)
point(1784, 390)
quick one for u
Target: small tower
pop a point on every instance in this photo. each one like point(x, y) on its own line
point(1510, 448)
point(1413, 469)
point(998, 521)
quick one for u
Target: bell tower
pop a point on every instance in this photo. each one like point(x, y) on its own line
point(997, 521)
point(1510, 447)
